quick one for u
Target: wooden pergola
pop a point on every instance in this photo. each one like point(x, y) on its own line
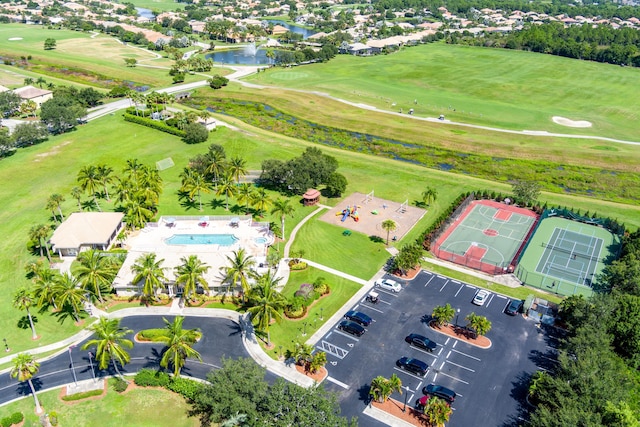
point(311, 197)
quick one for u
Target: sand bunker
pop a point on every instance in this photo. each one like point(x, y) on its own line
point(571, 123)
point(13, 39)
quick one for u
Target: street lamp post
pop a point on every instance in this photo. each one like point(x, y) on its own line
point(93, 373)
point(406, 393)
point(304, 329)
point(73, 369)
point(457, 314)
point(6, 346)
point(321, 316)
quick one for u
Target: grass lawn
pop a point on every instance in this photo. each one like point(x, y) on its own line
point(520, 90)
point(113, 410)
point(161, 5)
point(283, 334)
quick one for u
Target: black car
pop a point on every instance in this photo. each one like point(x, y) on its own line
point(416, 366)
point(358, 317)
point(439, 391)
point(514, 307)
point(351, 328)
point(420, 341)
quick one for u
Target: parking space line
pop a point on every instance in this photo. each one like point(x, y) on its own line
point(380, 291)
point(490, 299)
point(447, 341)
point(429, 281)
point(468, 355)
point(410, 374)
point(505, 305)
point(340, 383)
point(460, 366)
point(435, 356)
point(461, 286)
point(346, 335)
point(454, 344)
point(327, 347)
point(469, 286)
point(455, 281)
point(440, 351)
point(441, 366)
point(448, 354)
point(375, 309)
point(500, 296)
point(452, 377)
point(445, 284)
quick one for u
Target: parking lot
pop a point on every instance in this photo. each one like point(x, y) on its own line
point(491, 383)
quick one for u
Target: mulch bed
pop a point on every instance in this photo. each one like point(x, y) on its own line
point(450, 330)
point(317, 377)
point(411, 416)
point(411, 274)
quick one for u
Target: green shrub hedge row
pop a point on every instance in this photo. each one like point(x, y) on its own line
point(83, 395)
point(153, 335)
point(15, 418)
point(154, 124)
point(120, 385)
point(183, 386)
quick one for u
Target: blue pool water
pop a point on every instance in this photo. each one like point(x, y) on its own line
point(202, 239)
point(261, 240)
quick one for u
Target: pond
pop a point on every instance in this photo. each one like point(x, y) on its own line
point(293, 28)
point(145, 13)
point(249, 55)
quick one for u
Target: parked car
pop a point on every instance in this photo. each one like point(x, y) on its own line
point(358, 317)
point(420, 341)
point(415, 366)
point(444, 393)
point(389, 285)
point(351, 328)
point(515, 307)
point(481, 297)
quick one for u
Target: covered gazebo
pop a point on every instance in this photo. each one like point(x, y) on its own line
point(311, 197)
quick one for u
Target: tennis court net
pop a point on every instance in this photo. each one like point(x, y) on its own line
point(571, 252)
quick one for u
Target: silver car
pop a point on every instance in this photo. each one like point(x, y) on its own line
point(389, 285)
point(481, 297)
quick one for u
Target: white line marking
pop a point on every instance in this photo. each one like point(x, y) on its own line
point(460, 366)
point(454, 344)
point(490, 299)
point(457, 379)
point(375, 309)
point(346, 335)
point(500, 296)
point(340, 383)
point(440, 351)
point(447, 341)
point(442, 365)
point(468, 355)
point(461, 286)
point(409, 373)
point(469, 286)
point(445, 284)
point(448, 354)
point(429, 281)
point(455, 281)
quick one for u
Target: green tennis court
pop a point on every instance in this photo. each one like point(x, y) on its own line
point(566, 256)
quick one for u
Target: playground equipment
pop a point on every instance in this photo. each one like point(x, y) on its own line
point(403, 206)
point(350, 211)
point(368, 198)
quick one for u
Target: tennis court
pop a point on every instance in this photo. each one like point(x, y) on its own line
point(487, 236)
point(566, 256)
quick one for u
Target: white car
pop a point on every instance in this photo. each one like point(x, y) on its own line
point(481, 297)
point(389, 285)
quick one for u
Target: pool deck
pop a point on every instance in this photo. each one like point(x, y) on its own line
point(151, 239)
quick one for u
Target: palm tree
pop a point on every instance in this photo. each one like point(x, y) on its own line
point(301, 353)
point(110, 343)
point(266, 303)
point(245, 195)
point(429, 195)
point(480, 324)
point(137, 213)
point(124, 189)
point(216, 163)
point(261, 201)
point(282, 207)
point(190, 274)
point(53, 203)
point(147, 269)
point(94, 270)
point(133, 171)
point(179, 345)
point(238, 168)
point(69, 295)
point(194, 183)
point(24, 368)
point(380, 389)
point(240, 269)
point(438, 411)
point(226, 187)
point(28, 81)
point(443, 314)
point(389, 225)
point(89, 180)
point(40, 81)
point(76, 193)
point(44, 290)
point(104, 177)
point(40, 234)
point(395, 383)
point(23, 300)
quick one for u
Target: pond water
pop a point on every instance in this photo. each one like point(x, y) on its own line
point(294, 29)
point(255, 56)
point(145, 13)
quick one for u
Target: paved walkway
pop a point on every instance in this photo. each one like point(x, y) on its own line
point(509, 280)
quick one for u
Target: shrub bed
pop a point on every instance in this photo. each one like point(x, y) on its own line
point(152, 335)
point(183, 386)
point(154, 124)
point(15, 418)
point(83, 395)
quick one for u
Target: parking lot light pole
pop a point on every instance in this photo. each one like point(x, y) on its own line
point(73, 368)
point(406, 393)
point(6, 346)
point(93, 373)
point(457, 314)
point(321, 316)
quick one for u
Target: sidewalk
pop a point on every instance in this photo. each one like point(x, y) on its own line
point(509, 280)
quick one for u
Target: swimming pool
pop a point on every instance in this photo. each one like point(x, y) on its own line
point(202, 239)
point(261, 240)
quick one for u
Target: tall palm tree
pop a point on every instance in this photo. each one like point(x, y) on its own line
point(124, 189)
point(89, 180)
point(190, 274)
point(245, 195)
point(395, 383)
point(480, 324)
point(110, 343)
point(282, 207)
point(40, 234)
point(443, 314)
point(194, 183)
point(238, 168)
point(23, 300)
point(44, 288)
point(40, 81)
point(149, 271)
point(24, 368)
point(137, 213)
point(216, 163)
point(266, 303)
point(133, 171)
point(151, 183)
point(240, 269)
point(438, 411)
point(105, 177)
point(389, 225)
point(179, 345)
point(94, 271)
point(53, 203)
point(69, 295)
point(380, 389)
point(226, 187)
point(429, 195)
point(261, 201)
point(76, 193)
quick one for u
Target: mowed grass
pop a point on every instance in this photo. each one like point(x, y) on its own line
point(140, 407)
point(161, 5)
point(495, 87)
point(103, 54)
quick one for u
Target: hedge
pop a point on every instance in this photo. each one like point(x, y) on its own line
point(151, 378)
point(83, 395)
point(153, 335)
point(15, 418)
point(154, 124)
